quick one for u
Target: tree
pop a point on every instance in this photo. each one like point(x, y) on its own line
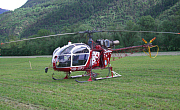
point(43, 32)
point(130, 38)
point(171, 42)
point(147, 23)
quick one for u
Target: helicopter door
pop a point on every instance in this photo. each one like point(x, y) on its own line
point(80, 56)
point(80, 59)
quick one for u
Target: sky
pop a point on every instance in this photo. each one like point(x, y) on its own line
point(11, 4)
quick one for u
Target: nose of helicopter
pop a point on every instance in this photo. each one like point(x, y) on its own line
point(70, 56)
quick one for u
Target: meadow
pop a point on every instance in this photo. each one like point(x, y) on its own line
point(145, 84)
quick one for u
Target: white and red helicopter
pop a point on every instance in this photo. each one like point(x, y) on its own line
point(91, 56)
point(95, 55)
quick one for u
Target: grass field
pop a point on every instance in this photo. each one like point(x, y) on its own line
point(145, 84)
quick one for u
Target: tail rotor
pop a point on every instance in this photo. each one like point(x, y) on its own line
point(150, 46)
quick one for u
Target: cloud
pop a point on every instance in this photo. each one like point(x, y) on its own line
point(11, 4)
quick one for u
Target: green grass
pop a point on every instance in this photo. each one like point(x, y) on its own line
point(145, 84)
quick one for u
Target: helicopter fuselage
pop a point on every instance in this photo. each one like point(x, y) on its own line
point(80, 57)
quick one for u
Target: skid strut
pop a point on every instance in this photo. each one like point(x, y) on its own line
point(113, 75)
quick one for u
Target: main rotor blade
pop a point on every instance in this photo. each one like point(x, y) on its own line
point(40, 37)
point(140, 31)
point(88, 31)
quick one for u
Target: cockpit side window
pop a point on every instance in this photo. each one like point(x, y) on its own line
point(80, 59)
point(63, 61)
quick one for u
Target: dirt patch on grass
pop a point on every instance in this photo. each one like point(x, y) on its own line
point(15, 104)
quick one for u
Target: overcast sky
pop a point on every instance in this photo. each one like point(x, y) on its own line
point(11, 4)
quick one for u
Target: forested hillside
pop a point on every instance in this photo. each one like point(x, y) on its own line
point(43, 17)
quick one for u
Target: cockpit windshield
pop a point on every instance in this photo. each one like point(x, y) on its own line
point(66, 50)
point(81, 50)
point(72, 56)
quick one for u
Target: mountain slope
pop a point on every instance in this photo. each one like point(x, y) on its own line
point(3, 10)
point(45, 17)
point(55, 15)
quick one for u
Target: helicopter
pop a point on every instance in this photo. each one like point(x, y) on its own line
point(93, 55)
point(88, 57)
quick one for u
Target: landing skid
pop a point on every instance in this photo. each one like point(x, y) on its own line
point(114, 75)
point(108, 77)
point(78, 76)
point(55, 78)
point(83, 81)
point(67, 76)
